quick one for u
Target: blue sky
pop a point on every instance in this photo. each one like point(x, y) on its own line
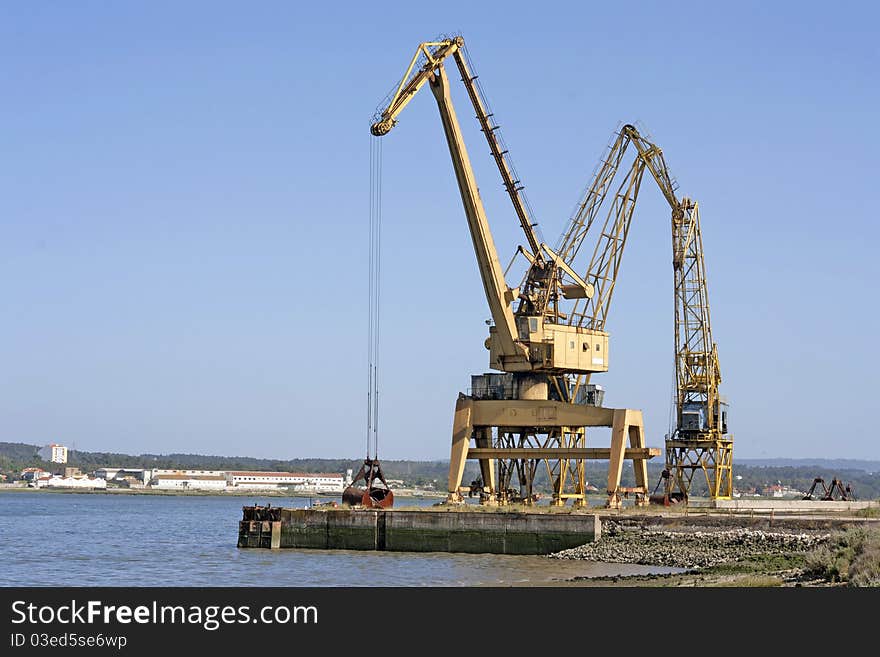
point(184, 215)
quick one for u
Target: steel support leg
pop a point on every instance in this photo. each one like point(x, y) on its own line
point(461, 440)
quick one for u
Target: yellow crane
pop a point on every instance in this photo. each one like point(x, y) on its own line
point(539, 407)
point(700, 440)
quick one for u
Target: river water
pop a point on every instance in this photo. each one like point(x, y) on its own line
point(106, 539)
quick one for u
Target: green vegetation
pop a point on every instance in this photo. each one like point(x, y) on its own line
point(851, 557)
point(762, 563)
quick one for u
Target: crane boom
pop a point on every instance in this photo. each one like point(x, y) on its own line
point(500, 297)
point(605, 261)
point(511, 354)
point(603, 265)
point(433, 53)
point(518, 341)
point(511, 186)
point(413, 80)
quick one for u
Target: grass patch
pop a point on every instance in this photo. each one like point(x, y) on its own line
point(851, 557)
point(760, 563)
point(752, 581)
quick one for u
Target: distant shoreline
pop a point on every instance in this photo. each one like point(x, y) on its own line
point(197, 493)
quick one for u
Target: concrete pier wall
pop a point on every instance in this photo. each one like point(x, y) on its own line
point(423, 531)
point(794, 505)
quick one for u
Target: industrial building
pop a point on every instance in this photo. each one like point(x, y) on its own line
point(189, 482)
point(75, 481)
point(309, 482)
point(221, 480)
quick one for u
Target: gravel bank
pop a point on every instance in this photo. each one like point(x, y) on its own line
point(694, 547)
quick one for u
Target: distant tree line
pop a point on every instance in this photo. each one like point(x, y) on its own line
point(14, 457)
point(865, 485)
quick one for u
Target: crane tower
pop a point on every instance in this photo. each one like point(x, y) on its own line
point(700, 441)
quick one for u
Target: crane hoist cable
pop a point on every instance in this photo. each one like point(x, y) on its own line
point(372, 495)
point(374, 297)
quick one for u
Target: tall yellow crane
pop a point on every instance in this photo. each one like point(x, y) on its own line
point(536, 409)
point(548, 353)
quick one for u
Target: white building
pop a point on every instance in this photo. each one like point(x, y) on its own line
point(53, 453)
point(321, 483)
point(312, 482)
point(188, 482)
point(155, 472)
point(79, 481)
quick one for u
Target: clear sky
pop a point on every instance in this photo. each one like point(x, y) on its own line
point(184, 215)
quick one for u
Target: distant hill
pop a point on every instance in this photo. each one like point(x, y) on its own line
point(825, 464)
point(18, 451)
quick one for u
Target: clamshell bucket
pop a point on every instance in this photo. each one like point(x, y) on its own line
point(372, 496)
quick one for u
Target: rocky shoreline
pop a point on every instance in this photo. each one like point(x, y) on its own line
point(691, 548)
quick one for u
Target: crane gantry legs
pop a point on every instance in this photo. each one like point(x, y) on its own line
point(713, 457)
point(540, 425)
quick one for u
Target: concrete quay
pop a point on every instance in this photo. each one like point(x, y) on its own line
point(740, 504)
point(418, 531)
point(498, 531)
